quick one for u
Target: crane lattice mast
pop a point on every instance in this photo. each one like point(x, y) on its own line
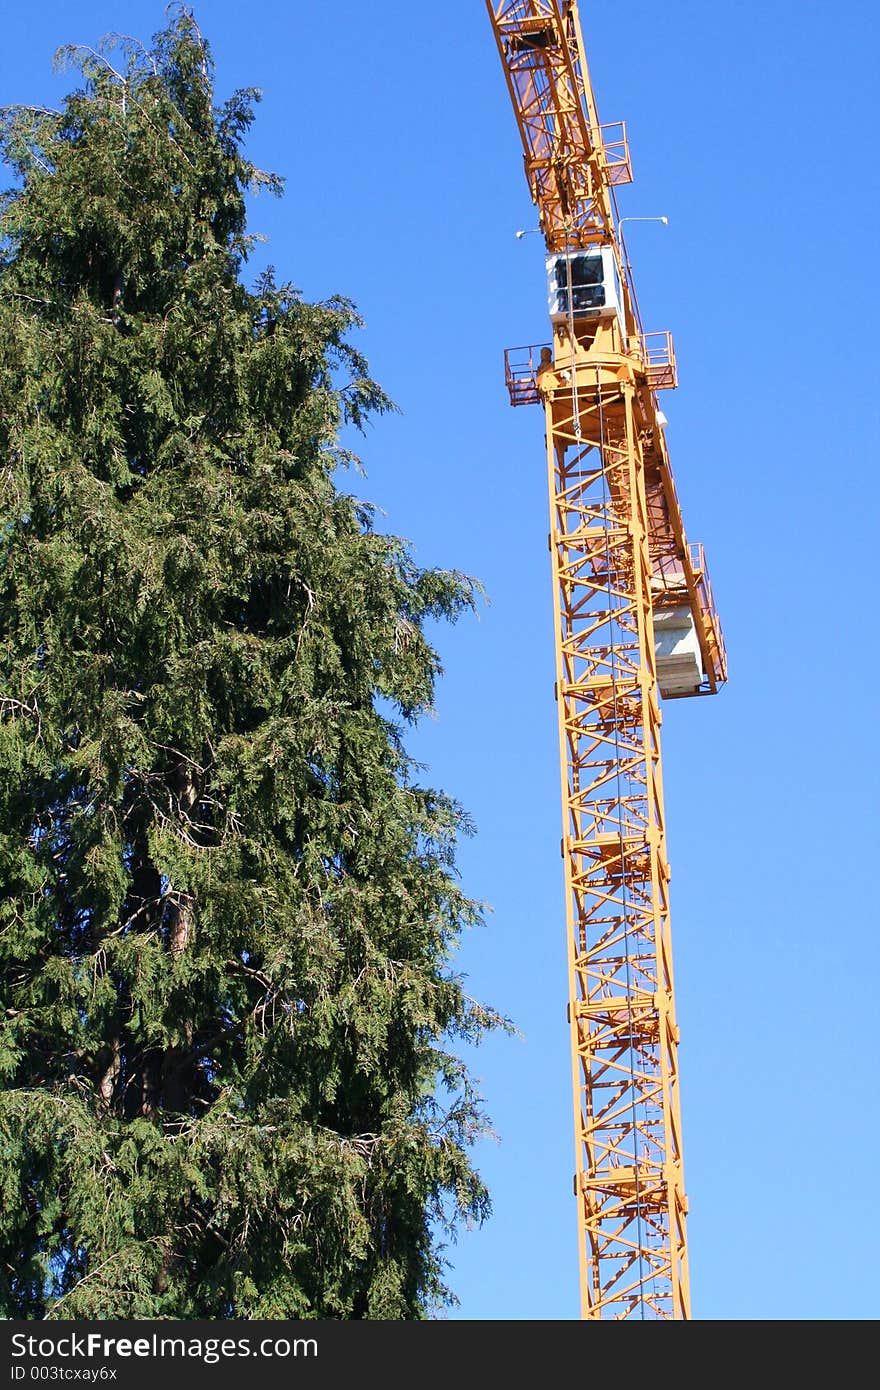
point(636, 621)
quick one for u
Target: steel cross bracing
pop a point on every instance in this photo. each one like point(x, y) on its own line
point(628, 1173)
point(620, 557)
point(571, 161)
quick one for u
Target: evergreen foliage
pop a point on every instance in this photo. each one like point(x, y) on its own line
point(228, 908)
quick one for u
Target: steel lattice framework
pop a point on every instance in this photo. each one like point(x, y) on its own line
point(619, 557)
point(629, 1180)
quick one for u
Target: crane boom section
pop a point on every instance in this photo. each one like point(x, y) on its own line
point(572, 165)
point(570, 160)
point(635, 621)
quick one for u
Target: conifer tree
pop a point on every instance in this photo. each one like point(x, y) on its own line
point(228, 905)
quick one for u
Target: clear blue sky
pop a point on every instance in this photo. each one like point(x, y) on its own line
point(751, 127)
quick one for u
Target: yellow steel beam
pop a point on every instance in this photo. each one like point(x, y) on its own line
point(628, 1162)
point(572, 165)
point(570, 161)
point(619, 553)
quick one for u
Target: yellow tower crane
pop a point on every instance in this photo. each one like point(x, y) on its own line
point(636, 621)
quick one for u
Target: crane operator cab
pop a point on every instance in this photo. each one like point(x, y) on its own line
point(584, 284)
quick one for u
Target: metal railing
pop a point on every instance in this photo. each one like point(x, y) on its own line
point(708, 609)
point(521, 373)
point(658, 355)
point(614, 150)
